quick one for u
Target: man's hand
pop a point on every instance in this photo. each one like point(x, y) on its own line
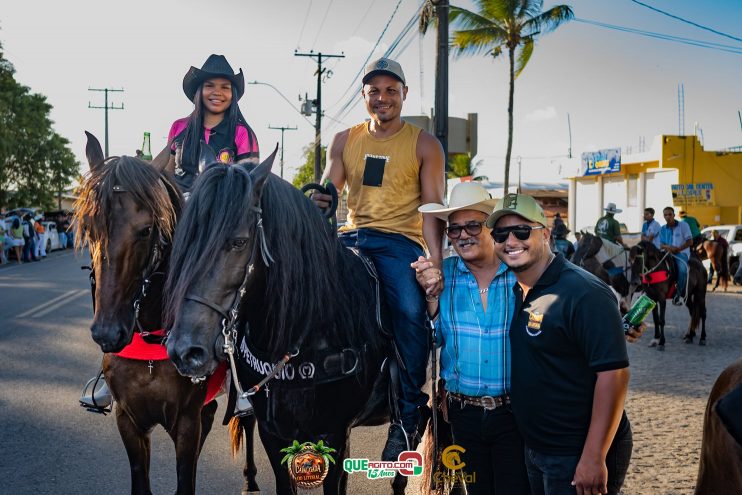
point(428, 275)
point(591, 476)
point(322, 201)
point(635, 333)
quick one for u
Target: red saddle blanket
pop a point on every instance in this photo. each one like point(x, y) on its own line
point(143, 351)
point(659, 277)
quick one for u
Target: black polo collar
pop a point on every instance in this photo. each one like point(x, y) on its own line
point(552, 272)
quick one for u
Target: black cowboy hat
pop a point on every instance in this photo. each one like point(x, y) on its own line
point(215, 66)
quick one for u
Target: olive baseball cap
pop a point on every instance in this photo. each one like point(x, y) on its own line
point(517, 204)
point(383, 66)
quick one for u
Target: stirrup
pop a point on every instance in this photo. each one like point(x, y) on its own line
point(243, 407)
point(98, 401)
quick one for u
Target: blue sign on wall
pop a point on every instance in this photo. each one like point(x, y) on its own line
point(601, 162)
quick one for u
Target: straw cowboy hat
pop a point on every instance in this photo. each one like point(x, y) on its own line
point(215, 66)
point(464, 196)
point(611, 208)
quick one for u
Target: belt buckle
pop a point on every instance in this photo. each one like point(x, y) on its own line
point(488, 402)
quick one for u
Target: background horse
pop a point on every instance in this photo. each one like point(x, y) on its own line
point(126, 214)
point(610, 268)
point(720, 469)
point(713, 251)
point(254, 261)
point(653, 271)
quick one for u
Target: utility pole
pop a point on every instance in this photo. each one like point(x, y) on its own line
point(441, 79)
point(107, 107)
point(282, 129)
point(318, 108)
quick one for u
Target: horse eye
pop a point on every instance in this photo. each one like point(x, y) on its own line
point(145, 232)
point(239, 244)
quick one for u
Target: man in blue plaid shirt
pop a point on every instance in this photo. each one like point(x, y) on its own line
point(473, 316)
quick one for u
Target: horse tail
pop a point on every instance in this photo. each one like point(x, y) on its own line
point(235, 435)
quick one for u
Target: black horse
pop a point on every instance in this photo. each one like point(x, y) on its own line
point(653, 271)
point(126, 214)
point(256, 265)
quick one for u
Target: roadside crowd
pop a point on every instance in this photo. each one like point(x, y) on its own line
point(25, 238)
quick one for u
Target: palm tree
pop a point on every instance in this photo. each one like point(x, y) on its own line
point(461, 165)
point(505, 25)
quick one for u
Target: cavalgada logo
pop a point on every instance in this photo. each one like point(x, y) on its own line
point(308, 463)
point(453, 474)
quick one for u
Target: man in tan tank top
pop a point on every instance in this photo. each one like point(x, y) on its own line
point(391, 168)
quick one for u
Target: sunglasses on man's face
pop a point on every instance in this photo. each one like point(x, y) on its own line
point(521, 232)
point(472, 228)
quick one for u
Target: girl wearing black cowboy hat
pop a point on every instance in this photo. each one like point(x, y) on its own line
point(214, 90)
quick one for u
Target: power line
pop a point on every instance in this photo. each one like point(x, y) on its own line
point(686, 21)
point(322, 24)
point(306, 16)
point(106, 107)
point(665, 37)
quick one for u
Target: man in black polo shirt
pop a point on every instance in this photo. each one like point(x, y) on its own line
point(569, 363)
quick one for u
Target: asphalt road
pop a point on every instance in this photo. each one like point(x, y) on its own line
point(48, 443)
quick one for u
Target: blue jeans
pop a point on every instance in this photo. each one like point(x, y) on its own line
point(553, 474)
point(681, 262)
point(392, 255)
point(494, 449)
point(62, 240)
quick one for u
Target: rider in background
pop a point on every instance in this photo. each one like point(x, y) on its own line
point(675, 238)
point(607, 227)
point(719, 239)
point(695, 228)
point(651, 228)
point(391, 168)
point(214, 90)
point(561, 244)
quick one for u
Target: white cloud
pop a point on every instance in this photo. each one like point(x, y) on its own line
point(541, 114)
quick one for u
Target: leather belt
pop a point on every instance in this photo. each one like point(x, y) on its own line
point(488, 402)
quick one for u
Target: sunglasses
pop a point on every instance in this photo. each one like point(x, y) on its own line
point(472, 228)
point(521, 232)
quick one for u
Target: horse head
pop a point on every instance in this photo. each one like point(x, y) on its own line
point(218, 258)
point(588, 247)
point(125, 214)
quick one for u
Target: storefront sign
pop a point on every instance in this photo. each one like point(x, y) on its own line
point(601, 162)
point(693, 194)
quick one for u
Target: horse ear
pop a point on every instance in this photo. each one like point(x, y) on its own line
point(160, 161)
point(206, 156)
point(93, 152)
point(262, 171)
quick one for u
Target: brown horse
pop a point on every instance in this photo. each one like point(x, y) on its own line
point(126, 215)
point(720, 469)
point(713, 251)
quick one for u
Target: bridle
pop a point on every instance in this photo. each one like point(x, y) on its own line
point(646, 271)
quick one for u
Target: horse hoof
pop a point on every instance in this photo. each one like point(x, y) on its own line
point(654, 343)
point(687, 340)
point(702, 342)
point(661, 347)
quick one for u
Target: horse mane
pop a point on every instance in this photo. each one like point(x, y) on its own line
point(310, 283)
point(150, 189)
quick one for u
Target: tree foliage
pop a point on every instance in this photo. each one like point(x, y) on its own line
point(505, 26)
point(36, 163)
point(305, 174)
point(461, 165)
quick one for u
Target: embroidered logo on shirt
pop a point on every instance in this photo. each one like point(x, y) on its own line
point(533, 328)
point(226, 156)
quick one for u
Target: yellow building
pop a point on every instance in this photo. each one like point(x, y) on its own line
point(675, 171)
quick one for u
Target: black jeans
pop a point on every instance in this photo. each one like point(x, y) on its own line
point(553, 474)
point(494, 449)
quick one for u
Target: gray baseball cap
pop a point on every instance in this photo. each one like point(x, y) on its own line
point(383, 66)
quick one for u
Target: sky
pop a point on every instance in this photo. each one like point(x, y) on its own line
point(617, 88)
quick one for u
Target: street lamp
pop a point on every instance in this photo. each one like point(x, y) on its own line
point(282, 96)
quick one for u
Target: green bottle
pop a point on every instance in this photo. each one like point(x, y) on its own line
point(146, 149)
